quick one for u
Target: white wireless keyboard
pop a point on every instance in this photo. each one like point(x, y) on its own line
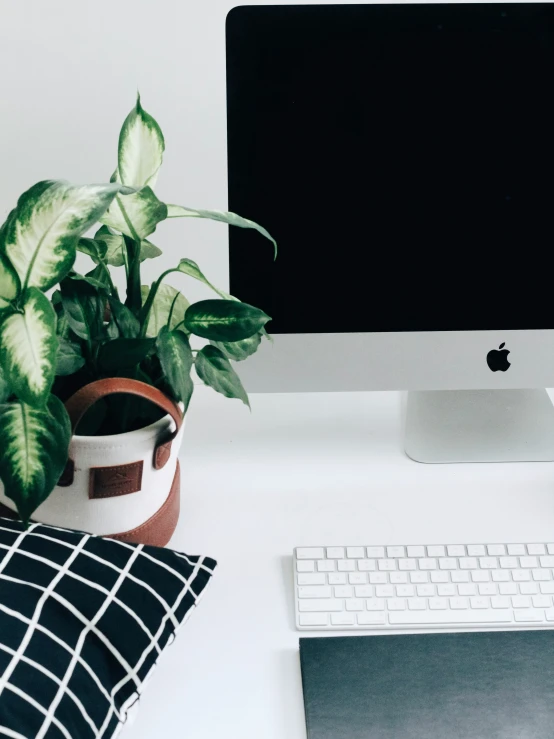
point(409, 587)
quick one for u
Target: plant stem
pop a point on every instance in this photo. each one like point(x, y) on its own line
point(171, 311)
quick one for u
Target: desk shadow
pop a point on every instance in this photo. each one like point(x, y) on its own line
point(293, 720)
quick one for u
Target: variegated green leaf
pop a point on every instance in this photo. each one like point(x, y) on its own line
point(166, 298)
point(115, 247)
point(214, 369)
point(188, 267)
point(28, 346)
point(224, 320)
point(140, 150)
point(4, 387)
point(41, 236)
point(136, 215)
point(176, 359)
point(34, 443)
point(9, 282)
point(239, 350)
point(69, 358)
point(232, 219)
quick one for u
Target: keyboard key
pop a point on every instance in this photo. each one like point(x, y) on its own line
point(508, 563)
point(440, 577)
point(528, 562)
point(396, 604)
point(500, 601)
point(371, 619)
point(541, 601)
point(425, 591)
point(313, 619)
point(343, 591)
point(310, 553)
point(468, 563)
point(363, 591)
point(528, 588)
point(446, 590)
point(427, 564)
point(436, 551)
point(487, 588)
point(516, 549)
point(459, 603)
point(343, 619)
point(438, 604)
point(375, 552)
point(312, 606)
point(408, 564)
point(417, 551)
point(547, 561)
point(405, 591)
point(488, 563)
point(335, 552)
point(305, 566)
point(507, 588)
point(365, 565)
point(549, 614)
point(326, 565)
point(398, 578)
point(476, 550)
point(469, 589)
point(346, 565)
point(521, 575)
point(378, 578)
point(478, 602)
point(386, 565)
point(541, 575)
point(375, 604)
point(536, 548)
point(396, 552)
point(417, 604)
point(337, 578)
point(357, 578)
point(521, 601)
point(316, 591)
point(459, 576)
point(311, 579)
point(456, 550)
point(430, 618)
point(448, 563)
point(528, 615)
point(495, 550)
point(353, 604)
point(384, 591)
point(547, 588)
point(500, 575)
point(419, 577)
point(355, 552)
point(550, 548)
point(480, 576)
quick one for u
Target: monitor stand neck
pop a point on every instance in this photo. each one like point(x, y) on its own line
point(479, 426)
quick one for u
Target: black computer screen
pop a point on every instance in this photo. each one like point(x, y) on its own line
point(403, 158)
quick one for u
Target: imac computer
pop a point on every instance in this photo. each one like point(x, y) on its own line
point(403, 158)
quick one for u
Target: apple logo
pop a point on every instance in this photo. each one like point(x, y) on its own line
point(497, 359)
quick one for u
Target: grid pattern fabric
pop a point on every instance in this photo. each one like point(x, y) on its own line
point(83, 620)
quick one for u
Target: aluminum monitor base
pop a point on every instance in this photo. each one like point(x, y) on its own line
point(452, 426)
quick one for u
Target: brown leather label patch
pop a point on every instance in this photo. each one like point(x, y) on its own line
point(109, 482)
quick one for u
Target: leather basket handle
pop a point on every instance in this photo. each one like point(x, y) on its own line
point(79, 403)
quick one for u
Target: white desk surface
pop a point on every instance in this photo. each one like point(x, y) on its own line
point(303, 469)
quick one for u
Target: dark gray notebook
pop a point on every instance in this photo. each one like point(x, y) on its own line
point(491, 685)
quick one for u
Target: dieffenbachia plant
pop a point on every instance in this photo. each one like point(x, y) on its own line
point(60, 330)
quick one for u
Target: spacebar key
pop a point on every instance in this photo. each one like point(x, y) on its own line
point(487, 616)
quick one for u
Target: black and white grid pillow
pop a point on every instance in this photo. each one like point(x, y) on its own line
point(83, 621)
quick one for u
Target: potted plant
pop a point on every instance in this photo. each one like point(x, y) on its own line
point(73, 351)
